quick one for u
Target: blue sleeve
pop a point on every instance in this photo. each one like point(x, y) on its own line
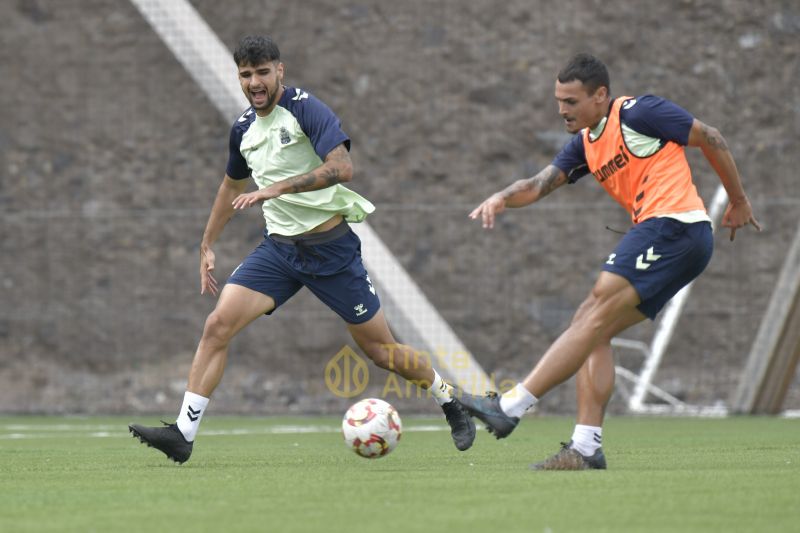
point(318, 122)
point(237, 166)
point(657, 117)
point(572, 159)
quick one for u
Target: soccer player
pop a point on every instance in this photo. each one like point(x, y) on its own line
point(293, 146)
point(634, 148)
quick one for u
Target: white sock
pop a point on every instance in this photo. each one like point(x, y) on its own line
point(191, 413)
point(516, 401)
point(586, 439)
point(441, 390)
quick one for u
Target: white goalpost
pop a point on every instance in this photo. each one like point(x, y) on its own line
point(654, 352)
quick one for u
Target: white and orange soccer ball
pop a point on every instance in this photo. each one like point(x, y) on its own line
point(372, 428)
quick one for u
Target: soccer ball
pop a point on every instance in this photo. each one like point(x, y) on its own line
point(371, 428)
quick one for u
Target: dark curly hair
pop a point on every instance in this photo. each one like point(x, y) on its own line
point(256, 49)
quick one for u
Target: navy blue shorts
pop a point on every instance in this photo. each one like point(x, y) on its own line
point(328, 263)
point(659, 257)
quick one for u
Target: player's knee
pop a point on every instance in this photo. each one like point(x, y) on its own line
point(595, 313)
point(605, 338)
point(217, 329)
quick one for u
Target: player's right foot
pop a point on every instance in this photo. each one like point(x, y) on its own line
point(462, 428)
point(487, 410)
point(569, 458)
point(168, 439)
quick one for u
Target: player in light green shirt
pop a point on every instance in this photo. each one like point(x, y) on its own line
point(293, 146)
point(275, 147)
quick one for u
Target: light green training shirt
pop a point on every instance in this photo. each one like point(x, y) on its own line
point(292, 140)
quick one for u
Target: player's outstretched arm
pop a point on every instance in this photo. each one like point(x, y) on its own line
point(520, 193)
point(221, 213)
point(337, 168)
point(739, 212)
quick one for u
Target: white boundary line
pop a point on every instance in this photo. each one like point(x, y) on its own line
point(58, 431)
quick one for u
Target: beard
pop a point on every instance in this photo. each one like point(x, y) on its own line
point(270, 100)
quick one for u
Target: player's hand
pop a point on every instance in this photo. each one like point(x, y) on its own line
point(243, 201)
point(488, 210)
point(207, 281)
point(738, 215)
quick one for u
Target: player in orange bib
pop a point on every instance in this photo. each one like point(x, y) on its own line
point(634, 148)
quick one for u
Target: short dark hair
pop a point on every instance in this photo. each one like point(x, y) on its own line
point(256, 49)
point(587, 69)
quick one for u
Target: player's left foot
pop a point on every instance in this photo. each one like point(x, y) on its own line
point(168, 439)
point(462, 428)
point(487, 409)
point(568, 458)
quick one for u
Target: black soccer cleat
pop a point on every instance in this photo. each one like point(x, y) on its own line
point(487, 410)
point(168, 439)
point(569, 458)
point(462, 428)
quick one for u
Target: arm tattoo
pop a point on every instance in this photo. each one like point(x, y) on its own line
point(325, 175)
point(714, 138)
point(548, 180)
point(544, 183)
point(319, 178)
point(518, 187)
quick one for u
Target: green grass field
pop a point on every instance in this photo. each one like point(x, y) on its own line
point(259, 474)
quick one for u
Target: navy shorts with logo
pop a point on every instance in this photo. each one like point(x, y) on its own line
point(328, 263)
point(659, 257)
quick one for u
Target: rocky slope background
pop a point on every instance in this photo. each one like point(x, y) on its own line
point(110, 157)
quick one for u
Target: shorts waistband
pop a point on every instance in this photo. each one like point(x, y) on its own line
point(311, 239)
